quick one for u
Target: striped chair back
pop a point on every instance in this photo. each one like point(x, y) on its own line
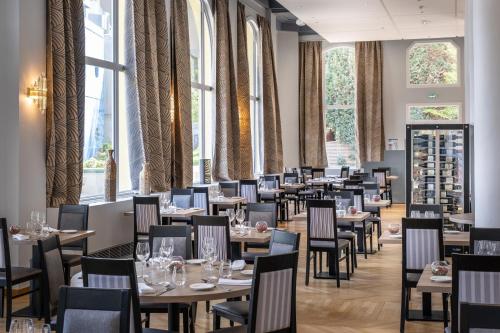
point(484, 241)
point(344, 172)
point(249, 190)
point(216, 227)
point(201, 199)
point(476, 279)
point(146, 213)
point(321, 220)
point(381, 177)
point(291, 178)
point(183, 198)
point(318, 172)
point(422, 243)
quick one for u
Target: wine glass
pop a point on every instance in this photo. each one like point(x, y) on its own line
point(167, 248)
point(142, 253)
point(226, 270)
point(208, 248)
point(231, 215)
point(179, 272)
point(46, 328)
point(240, 216)
point(27, 326)
point(15, 327)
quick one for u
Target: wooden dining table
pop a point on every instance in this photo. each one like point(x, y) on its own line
point(455, 239)
point(216, 202)
point(378, 204)
point(426, 285)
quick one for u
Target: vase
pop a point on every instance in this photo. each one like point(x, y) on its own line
point(144, 180)
point(205, 174)
point(110, 178)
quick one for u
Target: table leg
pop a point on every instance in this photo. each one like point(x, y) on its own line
point(215, 209)
point(173, 317)
point(236, 252)
point(427, 304)
point(35, 303)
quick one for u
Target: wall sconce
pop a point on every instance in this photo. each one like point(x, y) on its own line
point(38, 93)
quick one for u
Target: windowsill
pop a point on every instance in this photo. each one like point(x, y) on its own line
point(94, 202)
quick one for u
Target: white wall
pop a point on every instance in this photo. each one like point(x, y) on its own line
point(287, 55)
point(396, 95)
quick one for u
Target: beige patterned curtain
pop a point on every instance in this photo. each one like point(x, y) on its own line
point(226, 162)
point(273, 150)
point(311, 124)
point(151, 88)
point(370, 120)
point(66, 101)
point(182, 142)
point(243, 92)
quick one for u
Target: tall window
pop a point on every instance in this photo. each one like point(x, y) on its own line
point(340, 106)
point(432, 64)
point(255, 96)
point(105, 121)
point(202, 75)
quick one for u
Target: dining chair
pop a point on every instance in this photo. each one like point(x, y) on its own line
point(183, 198)
point(362, 175)
point(479, 318)
point(74, 217)
point(281, 242)
point(484, 241)
point(322, 237)
point(371, 189)
point(201, 198)
point(83, 310)
point(249, 189)
point(273, 182)
point(216, 227)
point(475, 279)
point(318, 172)
point(350, 184)
point(53, 277)
point(344, 172)
point(272, 305)
point(106, 273)
point(229, 188)
point(381, 175)
point(422, 244)
point(146, 213)
point(388, 182)
point(292, 194)
point(11, 276)
point(306, 171)
point(259, 212)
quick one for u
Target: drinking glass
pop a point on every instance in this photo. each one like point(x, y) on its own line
point(42, 220)
point(142, 254)
point(15, 327)
point(179, 275)
point(231, 215)
point(167, 248)
point(240, 216)
point(210, 273)
point(27, 326)
point(46, 328)
point(225, 269)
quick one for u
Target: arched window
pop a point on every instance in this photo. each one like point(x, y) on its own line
point(202, 75)
point(433, 64)
point(255, 71)
point(340, 106)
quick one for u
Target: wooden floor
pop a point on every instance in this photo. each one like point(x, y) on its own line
point(369, 302)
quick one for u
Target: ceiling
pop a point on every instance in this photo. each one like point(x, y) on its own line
point(363, 20)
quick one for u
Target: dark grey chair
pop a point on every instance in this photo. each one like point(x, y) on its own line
point(201, 198)
point(479, 317)
point(344, 172)
point(146, 214)
point(274, 182)
point(83, 310)
point(292, 194)
point(249, 189)
point(489, 236)
point(183, 198)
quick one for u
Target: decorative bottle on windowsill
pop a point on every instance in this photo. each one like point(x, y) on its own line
point(110, 178)
point(144, 180)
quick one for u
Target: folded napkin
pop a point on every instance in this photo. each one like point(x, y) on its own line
point(50, 229)
point(231, 282)
point(144, 289)
point(238, 265)
point(20, 237)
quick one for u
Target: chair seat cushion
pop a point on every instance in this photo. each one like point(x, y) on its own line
point(236, 308)
point(235, 329)
point(346, 234)
point(368, 227)
point(330, 244)
point(71, 259)
point(21, 274)
point(412, 277)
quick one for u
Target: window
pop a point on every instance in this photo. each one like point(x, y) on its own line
point(433, 64)
point(202, 75)
point(433, 113)
point(253, 43)
point(105, 125)
point(340, 107)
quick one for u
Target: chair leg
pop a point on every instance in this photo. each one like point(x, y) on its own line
point(216, 321)
point(321, 262)
point(315, 266)
point(364, 241)
point(67, 273)
point(8, 318)
point(347, 260)
point(403, 310)
point(337, 267)
point(307, 267)
point(2, 291)
point(148, 320)
point(445, 310)
point(207, 306)
point(185, 321)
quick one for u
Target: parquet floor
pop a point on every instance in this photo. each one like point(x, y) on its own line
point(369, 302)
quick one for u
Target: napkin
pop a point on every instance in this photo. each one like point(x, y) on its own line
point(238, 265)
point(144, 289)
point(20, 237)
point(231, 282)
point(50, 229)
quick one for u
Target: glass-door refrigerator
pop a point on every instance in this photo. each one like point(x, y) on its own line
point(437, 167)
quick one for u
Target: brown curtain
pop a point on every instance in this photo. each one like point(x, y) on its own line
point(66, 101)
point(273, 150)
point(311, 124)
point(182, 136)
point(151, 86)
point(370, 120)
point(226, 163)
point(243, 92)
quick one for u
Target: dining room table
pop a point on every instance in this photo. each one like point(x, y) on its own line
point(382, 203)
point(218, 201)
point(249, 235)
point(427, 286)
point(238, 286)
point(449, 238)
point(177, 213)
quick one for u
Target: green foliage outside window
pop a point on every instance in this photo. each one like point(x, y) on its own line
point(98, 161)
point(340, 76)
point(444, 112)
point(433, 63)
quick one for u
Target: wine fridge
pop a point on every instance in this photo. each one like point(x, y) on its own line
point(437, 167)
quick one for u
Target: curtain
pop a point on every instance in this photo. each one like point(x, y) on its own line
point(311, 124)
point(226, 163)
point(243, 93)
point(65, 101)
point(273, 150)
point(370, 121)
point(182, 136)
point(149, 77)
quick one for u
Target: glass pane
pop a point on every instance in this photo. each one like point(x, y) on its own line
point(99, 29)
point(440, 113)
point(196, 121)
point(251, 56)
point(207, 49)
point(340, 136)
point(340, 76)
point(209, 124)
point(424, 167)
point(433, 64)
point(451, 171)
point(98, 127)
point(124, 181)
point(194, 19)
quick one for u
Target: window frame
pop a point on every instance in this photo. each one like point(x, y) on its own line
point(436, 104)
point(257, 118)
point(116, 67)
point(440, 85)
